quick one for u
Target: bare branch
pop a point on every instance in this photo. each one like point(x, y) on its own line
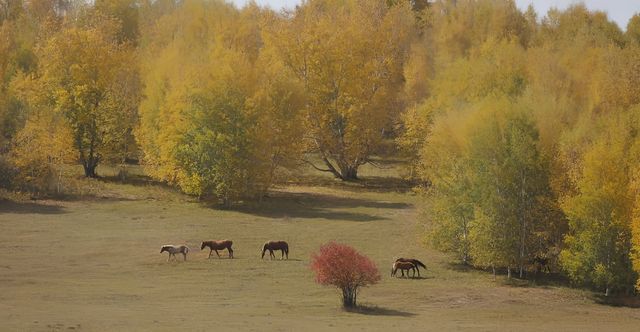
point(316, 167)
point(377, 164)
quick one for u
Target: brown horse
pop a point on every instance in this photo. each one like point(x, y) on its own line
point(276, 245)
point(218, 245)
point(403, 266)
point(415, 262)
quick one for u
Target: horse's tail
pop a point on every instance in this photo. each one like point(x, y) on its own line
point(419, 263)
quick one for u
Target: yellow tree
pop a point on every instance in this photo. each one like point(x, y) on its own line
point(633, 29)
point(6, 48)
point(598, 245)
point(349, 56)
point(83, 69)
point(39, 151)
point(221, 113)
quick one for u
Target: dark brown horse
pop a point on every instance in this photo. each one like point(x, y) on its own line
point(415, 262)
point(403, 266)
point(276, 245)
point(218, 245)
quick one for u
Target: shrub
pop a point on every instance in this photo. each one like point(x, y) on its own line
point(342, 266)
point(39, 151)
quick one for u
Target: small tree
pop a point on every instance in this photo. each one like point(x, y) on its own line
point(342, 266)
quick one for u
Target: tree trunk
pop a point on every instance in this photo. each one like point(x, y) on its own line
point(493, 267)
point(90, 168)
point(226, 202)
point(348, 298)
point(523, 226)
point(342, 171)
point(349, 173)
point(508, 272)
point(465, 247)
point(355, 296)
point(521, 270)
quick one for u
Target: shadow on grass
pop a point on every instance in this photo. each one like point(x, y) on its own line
point(530, 278)
point(414, 278)
point(310, 206)
point(381, 184)
point(536, 280)
point(459, 267)
point(96, 198)
point(138, 180)
point(628, 301)
point(7, 206)
point(378, 311)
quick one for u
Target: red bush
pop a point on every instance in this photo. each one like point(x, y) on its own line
point(342, 266)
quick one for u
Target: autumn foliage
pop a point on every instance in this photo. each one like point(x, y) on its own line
point(342, 266)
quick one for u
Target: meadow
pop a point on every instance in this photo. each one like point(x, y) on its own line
point(93, 264)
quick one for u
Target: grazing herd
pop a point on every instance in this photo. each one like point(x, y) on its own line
point(402, 264)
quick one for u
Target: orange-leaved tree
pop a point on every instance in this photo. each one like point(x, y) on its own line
point(342, 266)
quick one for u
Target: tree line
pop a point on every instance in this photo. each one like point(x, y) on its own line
point(211, 98)
point(521, 129)
point(526, 139)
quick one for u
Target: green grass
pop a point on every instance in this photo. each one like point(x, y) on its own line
point(93, 263)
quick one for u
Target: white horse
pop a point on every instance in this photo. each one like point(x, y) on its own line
point(173, 250)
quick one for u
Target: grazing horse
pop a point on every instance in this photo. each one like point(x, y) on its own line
point(173, 250)
point(218, 245)
point(403, 266)
point(415, 262)
point(276, 245)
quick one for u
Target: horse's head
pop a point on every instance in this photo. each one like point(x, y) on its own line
point(202, 246)
point(163, 249)
point(264, 249)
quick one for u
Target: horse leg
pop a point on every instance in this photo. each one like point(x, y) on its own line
point(281, 254)
point(271, 254)
point(185, 255)
point(230, 252)
point(210, 252)
point(217, 254)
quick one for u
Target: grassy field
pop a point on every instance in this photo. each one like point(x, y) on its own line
point(93, 264)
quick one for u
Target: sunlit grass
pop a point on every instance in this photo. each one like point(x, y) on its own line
point(93, 263)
